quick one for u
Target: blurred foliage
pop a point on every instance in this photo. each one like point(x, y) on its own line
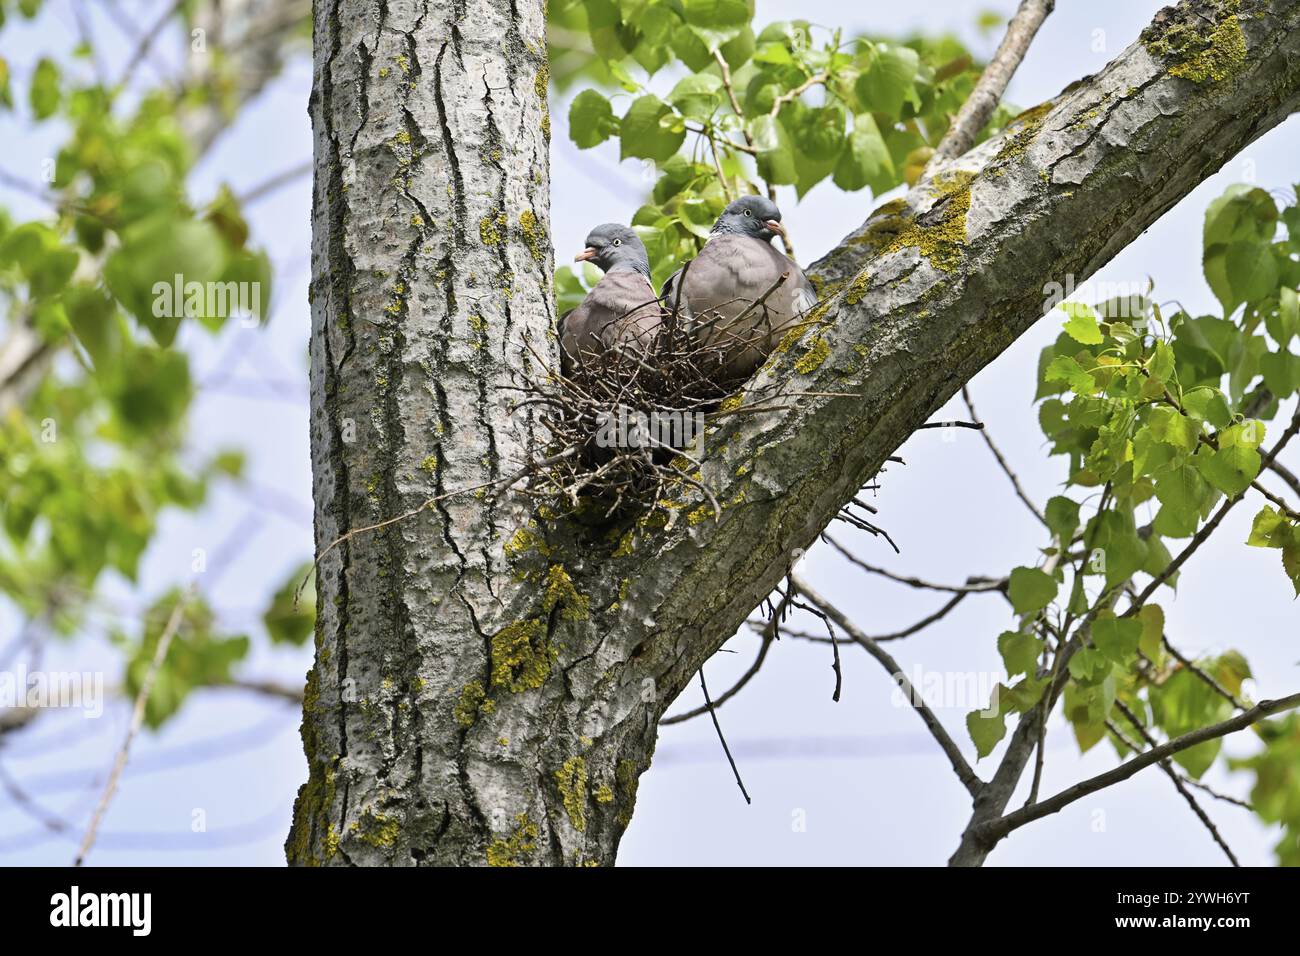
point(93, 433)
point(787, 104)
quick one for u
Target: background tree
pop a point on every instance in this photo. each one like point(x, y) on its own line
point(488, 678)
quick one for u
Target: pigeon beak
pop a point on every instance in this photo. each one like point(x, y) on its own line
point(585, 254)
point(776, 227)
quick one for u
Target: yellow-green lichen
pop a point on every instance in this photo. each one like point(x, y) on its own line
point(572, 781)
point(510, 851)
point(941, 238)
point(521, 656)
point(491, 229)
point(533, 234)
point(560, 592)
point(732, 402)
point(604, 793)
point(858, 288)
point(628, 780)
point(473, 702)
point(625, 543)
point(430, 464)
point(524, 539)
point(377, 830)
point(1020, 132)
point(1199, 55)
point(814, 357)
point(540, 83)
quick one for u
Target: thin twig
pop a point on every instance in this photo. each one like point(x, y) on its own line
point(974, 585)
point(1174, 777)
point(718, 727)
point(978, 426)
point(268, 186)
point(965, 774)
point(137, 719)
point(1002, 462)
point(147, 41)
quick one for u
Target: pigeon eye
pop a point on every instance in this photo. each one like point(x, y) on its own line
point(748, 213)
point(618, 242)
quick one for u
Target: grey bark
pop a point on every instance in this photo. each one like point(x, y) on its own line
point(488, 682)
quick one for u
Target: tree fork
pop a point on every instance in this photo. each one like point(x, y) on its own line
point(488, 682)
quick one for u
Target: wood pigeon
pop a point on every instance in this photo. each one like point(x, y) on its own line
point(737, 265)
point(621, 310)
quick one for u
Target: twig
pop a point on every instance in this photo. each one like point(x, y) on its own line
point(137, 718)
point(718, 727)
point(996, 829)
point(978, 426)
point(506, 480)
point(732, 691)
point(974, 585)
point(965, 774)
point(268, 186)
point(984, 99)
point(1002, 462)
point(1174, 778)
point(147, 41)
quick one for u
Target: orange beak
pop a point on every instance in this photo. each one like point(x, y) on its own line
point(585, 254)
point(776, 227)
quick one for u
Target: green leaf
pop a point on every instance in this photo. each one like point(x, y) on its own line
point(820, 132)
point(865, 159)
point(1117, 638)
point(775, 152)
point(1062, 518)
point(643, 135)
point(986, 729)
point(1284, 323)
point(1183, 493)
point(44, 93)
point(1065, 369)
point(1230, 469)
point(1020, 652)
point(1081, 324)
point(1031, 590)
point(1208, 405)
point(1152, 619)
point(1089, 666)
point(287, 622)
point(591, 119)
point(93, 316)
point(697, 96)
point(889, 80)
point(1281, 371)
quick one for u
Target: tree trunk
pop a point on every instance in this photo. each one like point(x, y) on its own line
point(488, 682)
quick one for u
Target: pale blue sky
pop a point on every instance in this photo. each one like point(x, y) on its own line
point(862, 774)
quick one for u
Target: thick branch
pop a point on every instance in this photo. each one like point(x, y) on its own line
point(986, 96)
point(999, 828)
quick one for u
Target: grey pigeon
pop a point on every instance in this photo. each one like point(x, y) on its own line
point(736, 267)
point(621, 311)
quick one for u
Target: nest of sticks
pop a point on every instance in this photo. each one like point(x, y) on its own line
point(626, 424)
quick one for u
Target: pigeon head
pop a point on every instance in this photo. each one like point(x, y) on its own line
point(753, 216)
point(612, 246)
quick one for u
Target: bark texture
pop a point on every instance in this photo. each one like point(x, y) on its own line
point(488, 681)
